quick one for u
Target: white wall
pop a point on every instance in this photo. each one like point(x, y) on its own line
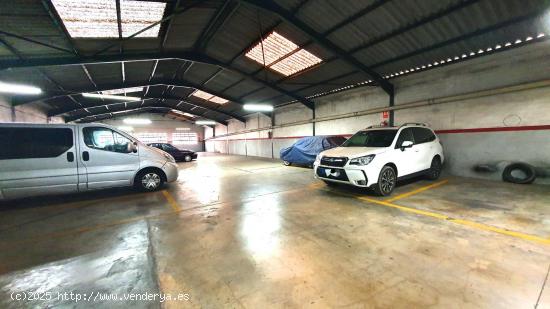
point(162, 124)
point(34, 112)
point(503, 108)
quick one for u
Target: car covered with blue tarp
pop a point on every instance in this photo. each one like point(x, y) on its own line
point(306, 149)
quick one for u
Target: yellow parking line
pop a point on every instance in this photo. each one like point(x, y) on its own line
point(407, 194)
point(175, 206)
point(480, 226)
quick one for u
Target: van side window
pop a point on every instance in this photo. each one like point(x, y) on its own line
point(405, 135)
point(423, 135)
point(105, 139)
point(30, 143)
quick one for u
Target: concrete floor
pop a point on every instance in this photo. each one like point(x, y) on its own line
point(247, 232)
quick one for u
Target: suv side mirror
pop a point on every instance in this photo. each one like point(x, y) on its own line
point(406, 144)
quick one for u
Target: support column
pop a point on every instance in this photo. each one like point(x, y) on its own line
point(391, 112)
point(313, 122)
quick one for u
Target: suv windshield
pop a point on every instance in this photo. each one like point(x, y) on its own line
point(371, 138)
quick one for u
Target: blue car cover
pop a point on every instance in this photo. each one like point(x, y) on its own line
point(306, 149)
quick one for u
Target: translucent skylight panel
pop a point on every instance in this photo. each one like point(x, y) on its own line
point(296, 62)
point(218, 100)
point(136, 15)
point(275, 46)
point(209, 97)
point(122, 90)
point(98, 18)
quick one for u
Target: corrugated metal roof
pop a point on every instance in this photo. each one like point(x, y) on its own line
point(392, 36)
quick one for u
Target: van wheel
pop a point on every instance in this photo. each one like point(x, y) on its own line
point(149, 180)
point(286, 163)
point(187, 158)
point(386, 181)
point(435, 169)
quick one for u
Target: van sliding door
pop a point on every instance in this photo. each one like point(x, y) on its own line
point(37, 160)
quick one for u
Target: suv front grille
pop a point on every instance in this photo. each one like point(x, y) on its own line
point(334, 161)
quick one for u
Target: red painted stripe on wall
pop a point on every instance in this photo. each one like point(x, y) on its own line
point(450, 131)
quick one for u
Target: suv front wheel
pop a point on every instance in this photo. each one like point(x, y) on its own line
point(386, 181)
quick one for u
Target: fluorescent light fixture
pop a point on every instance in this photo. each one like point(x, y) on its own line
point(137, 121)
point(209, 97)
point(19, 89)
point(126, 128)
point(122, 90)
point(205, 122)
point(282, 55)
point(258, 107)
point(183, 129)
point(98, 18)
point(110, 97)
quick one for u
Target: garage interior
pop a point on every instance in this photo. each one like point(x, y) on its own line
point(240, 229)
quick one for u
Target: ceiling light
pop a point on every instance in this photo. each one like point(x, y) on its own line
point(183, 129)
point(19, 89)
point(205, 122)
point(529, 38)
point(282, 55)
point(507, 44)
point(540, 35)
point(126, 128)
point(517, 41)
point(110, 97)
point(98, 18)
point(137, 121)
point(258, 107)
point(498, 46)
point(122, 90)
point(209, 97)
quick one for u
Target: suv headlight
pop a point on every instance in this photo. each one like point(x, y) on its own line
point(362, 160)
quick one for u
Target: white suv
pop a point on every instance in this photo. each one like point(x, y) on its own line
point(378, 156)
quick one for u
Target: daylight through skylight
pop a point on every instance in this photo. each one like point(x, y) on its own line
point(282, 55)
point(209, 97)
point(98, 18)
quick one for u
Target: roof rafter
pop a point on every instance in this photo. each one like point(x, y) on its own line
point(224, 13)
point(187, 56)
point(271, 6)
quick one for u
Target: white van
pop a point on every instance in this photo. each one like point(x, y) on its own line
point(40, 159)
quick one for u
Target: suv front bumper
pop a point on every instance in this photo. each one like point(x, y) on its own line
point(355, 176)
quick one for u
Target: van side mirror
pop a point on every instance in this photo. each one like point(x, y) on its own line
point(132, 147)
point(406, 144)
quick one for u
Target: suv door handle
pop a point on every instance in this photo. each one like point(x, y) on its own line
point(70, 156)
point(85, 156)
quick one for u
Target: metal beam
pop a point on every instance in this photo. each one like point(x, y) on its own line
point(165, 37)
point(187, 56)
point(224, 13)
point(58, 22)
point(169, 17)
point(271, 6)
point(138, 110)
point(62, 111)
point(37, 42)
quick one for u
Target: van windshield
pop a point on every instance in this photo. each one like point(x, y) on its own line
point(371, 138)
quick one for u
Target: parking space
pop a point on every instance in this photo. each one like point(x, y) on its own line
point(242, 232)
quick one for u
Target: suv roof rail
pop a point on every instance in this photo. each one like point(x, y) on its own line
point(377, 126)
point(413, 124)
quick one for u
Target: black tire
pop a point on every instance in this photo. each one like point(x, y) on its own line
point(330, 183)
point(286, 163)
point(435, 169)
point(528, 170)
point(149, 180)
point(187, 158)
point(386, 181)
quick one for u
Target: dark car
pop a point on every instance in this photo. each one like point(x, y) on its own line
point(178, 154)
point(306, 149)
